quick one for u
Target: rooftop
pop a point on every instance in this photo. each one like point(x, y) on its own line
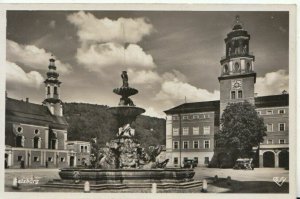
point(206, 106)
point(30, 113)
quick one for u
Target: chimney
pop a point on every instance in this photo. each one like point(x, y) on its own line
point(27, 99)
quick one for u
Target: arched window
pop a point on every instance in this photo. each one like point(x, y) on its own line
point(248, 67)
point(226, 70)
point(55, 90)
point(54, 144)
point(236, 67)
point(232, 94)
point(36, 142)
point(240, 94)
point(20, 141)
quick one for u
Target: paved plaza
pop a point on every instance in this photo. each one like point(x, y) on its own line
point(259, 180)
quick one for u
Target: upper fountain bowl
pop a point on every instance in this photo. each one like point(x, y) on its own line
point(125, 91)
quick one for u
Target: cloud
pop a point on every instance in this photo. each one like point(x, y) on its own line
point(92, 29)
point(16, 75)
point(175, 91)
point(96, 57)
point(52, 24)
point(144, 77)
point(32, 57)
point(174, 75)
point(272, 83)
point(150, 111)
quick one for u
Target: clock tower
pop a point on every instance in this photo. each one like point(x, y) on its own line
point(237, 77)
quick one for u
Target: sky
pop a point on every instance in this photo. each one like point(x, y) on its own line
point(171, 56)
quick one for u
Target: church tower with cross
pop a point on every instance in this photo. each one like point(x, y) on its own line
point(52, 90)
point(237, 76)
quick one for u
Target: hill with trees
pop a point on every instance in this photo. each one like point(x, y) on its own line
point(88, 121)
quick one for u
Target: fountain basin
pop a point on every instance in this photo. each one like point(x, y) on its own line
point(125, 91)
point(99, 176)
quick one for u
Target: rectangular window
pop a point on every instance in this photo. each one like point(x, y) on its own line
point(281, 127)
point(62, 159)
point(185, 159)
point(185, 117)
point(81, 148)
point(195, 116)
point(196, 160)
point(269, 127)
point(185, 144)
point(85, 149)
point(176, 160)
point(269, 112)
point(175, 118)
point(185, 130)
point(175, 131)
point(207, 116)
point(36, 159)
point(50, 159)
point(175, 145)
point(281, 111)
point(206, 144)
point(232, 94)
point(48, 90)
point(269, 141)
point(20, 158)
point(206, 130)
point(196, 144)
point(196, 130)
point(281, 141)
point(240, 94)
point(206, 160)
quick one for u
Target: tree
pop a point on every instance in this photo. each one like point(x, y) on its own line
point(241, 129)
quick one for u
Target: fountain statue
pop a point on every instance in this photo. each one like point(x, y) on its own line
point(123, 159)
point(124, 151)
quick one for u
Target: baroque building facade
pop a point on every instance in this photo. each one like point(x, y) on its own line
point(190, 127)
point(36, 134)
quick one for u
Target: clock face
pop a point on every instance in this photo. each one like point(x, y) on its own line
point(236, 84)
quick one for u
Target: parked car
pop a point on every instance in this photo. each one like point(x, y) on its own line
point(189, 163)
point(244, 163)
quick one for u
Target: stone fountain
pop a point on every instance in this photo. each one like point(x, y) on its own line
point(123, 160)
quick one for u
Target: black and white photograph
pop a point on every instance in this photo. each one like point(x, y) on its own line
point(150, 100)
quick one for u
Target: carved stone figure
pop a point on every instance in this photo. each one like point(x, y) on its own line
point(126, 101)
point(125, 79)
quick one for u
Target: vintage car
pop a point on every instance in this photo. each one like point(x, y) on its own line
point(244, 163)
point(189, 163)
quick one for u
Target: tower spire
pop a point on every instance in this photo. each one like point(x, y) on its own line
point(237, 68)
point(52, 89)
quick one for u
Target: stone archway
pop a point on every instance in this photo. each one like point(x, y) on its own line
point(284, 159)
point(268, 159)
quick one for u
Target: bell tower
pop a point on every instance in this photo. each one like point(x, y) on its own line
point(52, 90)
point(237, 76)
